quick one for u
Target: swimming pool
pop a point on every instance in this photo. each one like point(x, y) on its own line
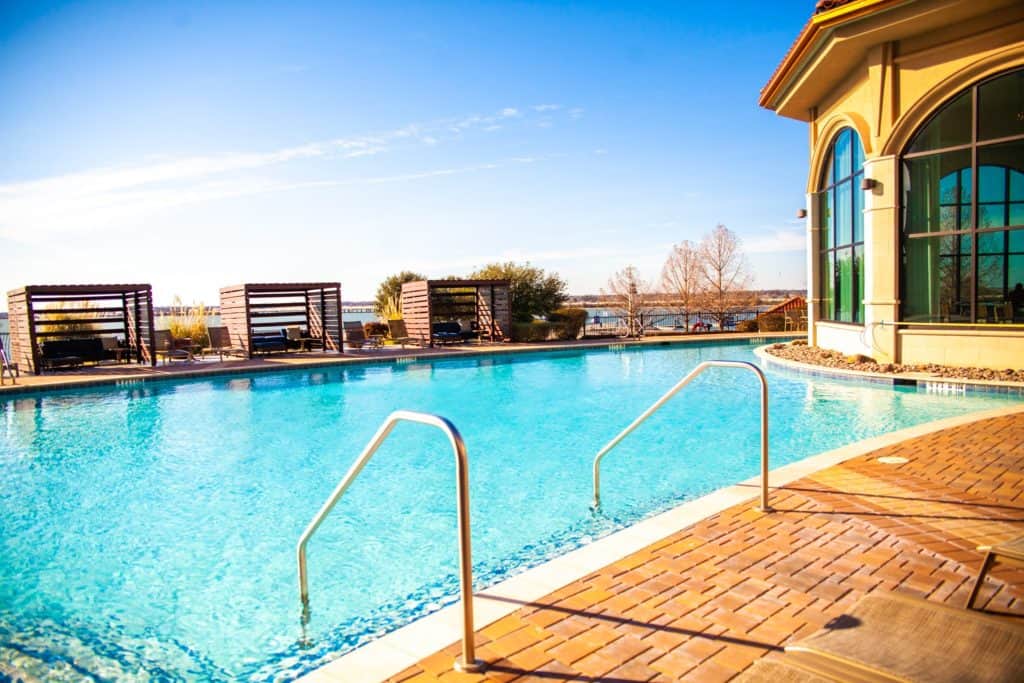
point(148, 532)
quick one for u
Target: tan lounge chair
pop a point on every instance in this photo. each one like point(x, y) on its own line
point(1011, 552)
point(356, 337)
point(894, 637)
point(399, 335)
point(165, 347)
point(220, 343)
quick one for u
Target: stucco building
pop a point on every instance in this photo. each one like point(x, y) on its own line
point(915, 192)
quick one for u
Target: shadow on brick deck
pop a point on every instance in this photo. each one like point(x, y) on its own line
point(705, 603)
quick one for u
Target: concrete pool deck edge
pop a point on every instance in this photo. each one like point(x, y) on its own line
point(136, 375)
point(404, 647)
point(923, 380)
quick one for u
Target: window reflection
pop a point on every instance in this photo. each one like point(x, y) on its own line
point(841, 219)
point(944, 279)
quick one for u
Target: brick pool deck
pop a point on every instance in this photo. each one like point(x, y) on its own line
point(705, 603)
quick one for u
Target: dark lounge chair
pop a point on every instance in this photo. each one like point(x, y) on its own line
point(356, 337)
point(266, 342)
point(72, 353)
point(446, 332)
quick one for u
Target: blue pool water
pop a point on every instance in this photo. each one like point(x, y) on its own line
point(148, 532)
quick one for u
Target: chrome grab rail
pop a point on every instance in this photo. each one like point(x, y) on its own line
point(469, 662)
point(672, 392)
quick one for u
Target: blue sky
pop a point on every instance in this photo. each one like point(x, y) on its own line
point(198, 145)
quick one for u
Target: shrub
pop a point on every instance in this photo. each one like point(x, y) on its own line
point(388, 301)
point(572, 319)
point(375, 328)
point(773, 322)
point(747, 325)
point(187, 322)
point(533, 291)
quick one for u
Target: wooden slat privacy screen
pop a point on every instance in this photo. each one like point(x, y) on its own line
point(256, 308)
point(38, 313)
point(487, 302)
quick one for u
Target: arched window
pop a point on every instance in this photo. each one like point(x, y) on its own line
point(841, 216)
point(963, 209)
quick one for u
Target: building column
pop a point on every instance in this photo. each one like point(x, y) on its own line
point(813, 228)
point(881, 258)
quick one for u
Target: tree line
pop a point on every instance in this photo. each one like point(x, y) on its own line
point(712, 276)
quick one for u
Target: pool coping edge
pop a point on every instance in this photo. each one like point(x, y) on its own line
point(404, 647)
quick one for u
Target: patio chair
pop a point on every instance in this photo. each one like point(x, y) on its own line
point(1011, 552)
point(356, 337)
point(265, 342)
point(446, 332)
point(399, 335)
point(895, 637)
point(220, 343)
point(7, 366)
point(113, 350)
point(165, 347)
point(298, 338)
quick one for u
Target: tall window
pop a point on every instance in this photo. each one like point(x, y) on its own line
point(963, 209)
point(841, 216)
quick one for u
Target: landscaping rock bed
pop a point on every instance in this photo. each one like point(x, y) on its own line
point(799, 351)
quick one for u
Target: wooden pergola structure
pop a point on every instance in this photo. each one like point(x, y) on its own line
point(41, 313)
point(486, 302)
point(261, 308)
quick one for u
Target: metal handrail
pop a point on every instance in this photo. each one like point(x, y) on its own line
point(672, 392)
point(469, 662)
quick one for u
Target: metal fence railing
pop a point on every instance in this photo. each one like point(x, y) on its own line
point(697, 321)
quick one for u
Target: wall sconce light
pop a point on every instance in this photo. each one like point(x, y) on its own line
point(801, 213)
point(868, 184)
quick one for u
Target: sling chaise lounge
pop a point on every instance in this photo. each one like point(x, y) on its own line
point(356, 337)
point(399, 335)
point(165, 347)
point(220, 343)
point(895, 637)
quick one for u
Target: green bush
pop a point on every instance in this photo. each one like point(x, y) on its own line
point(375, 329)
point(533, 291)
point(773, 322)
point(747, 325)
point(572, 319)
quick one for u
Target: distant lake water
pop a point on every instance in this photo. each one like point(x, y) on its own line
point(214, 320)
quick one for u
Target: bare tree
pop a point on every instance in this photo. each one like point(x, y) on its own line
point(628, 294)
point(682, 278)
point(726, 273)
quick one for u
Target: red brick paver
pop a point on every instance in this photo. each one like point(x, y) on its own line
point(705, 603)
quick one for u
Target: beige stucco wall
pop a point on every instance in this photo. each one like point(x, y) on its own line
point(897, 85)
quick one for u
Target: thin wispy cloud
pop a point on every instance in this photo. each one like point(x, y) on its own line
point(35, 210)
point(546, 107)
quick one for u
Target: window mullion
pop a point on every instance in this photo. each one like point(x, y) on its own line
point(974, 204)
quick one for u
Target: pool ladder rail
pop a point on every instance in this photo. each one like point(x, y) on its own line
point(675, 390)
point(469, 663)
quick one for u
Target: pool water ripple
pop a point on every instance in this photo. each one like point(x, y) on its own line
point(148, 532)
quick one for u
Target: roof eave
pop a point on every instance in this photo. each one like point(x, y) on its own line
point(814, 33)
